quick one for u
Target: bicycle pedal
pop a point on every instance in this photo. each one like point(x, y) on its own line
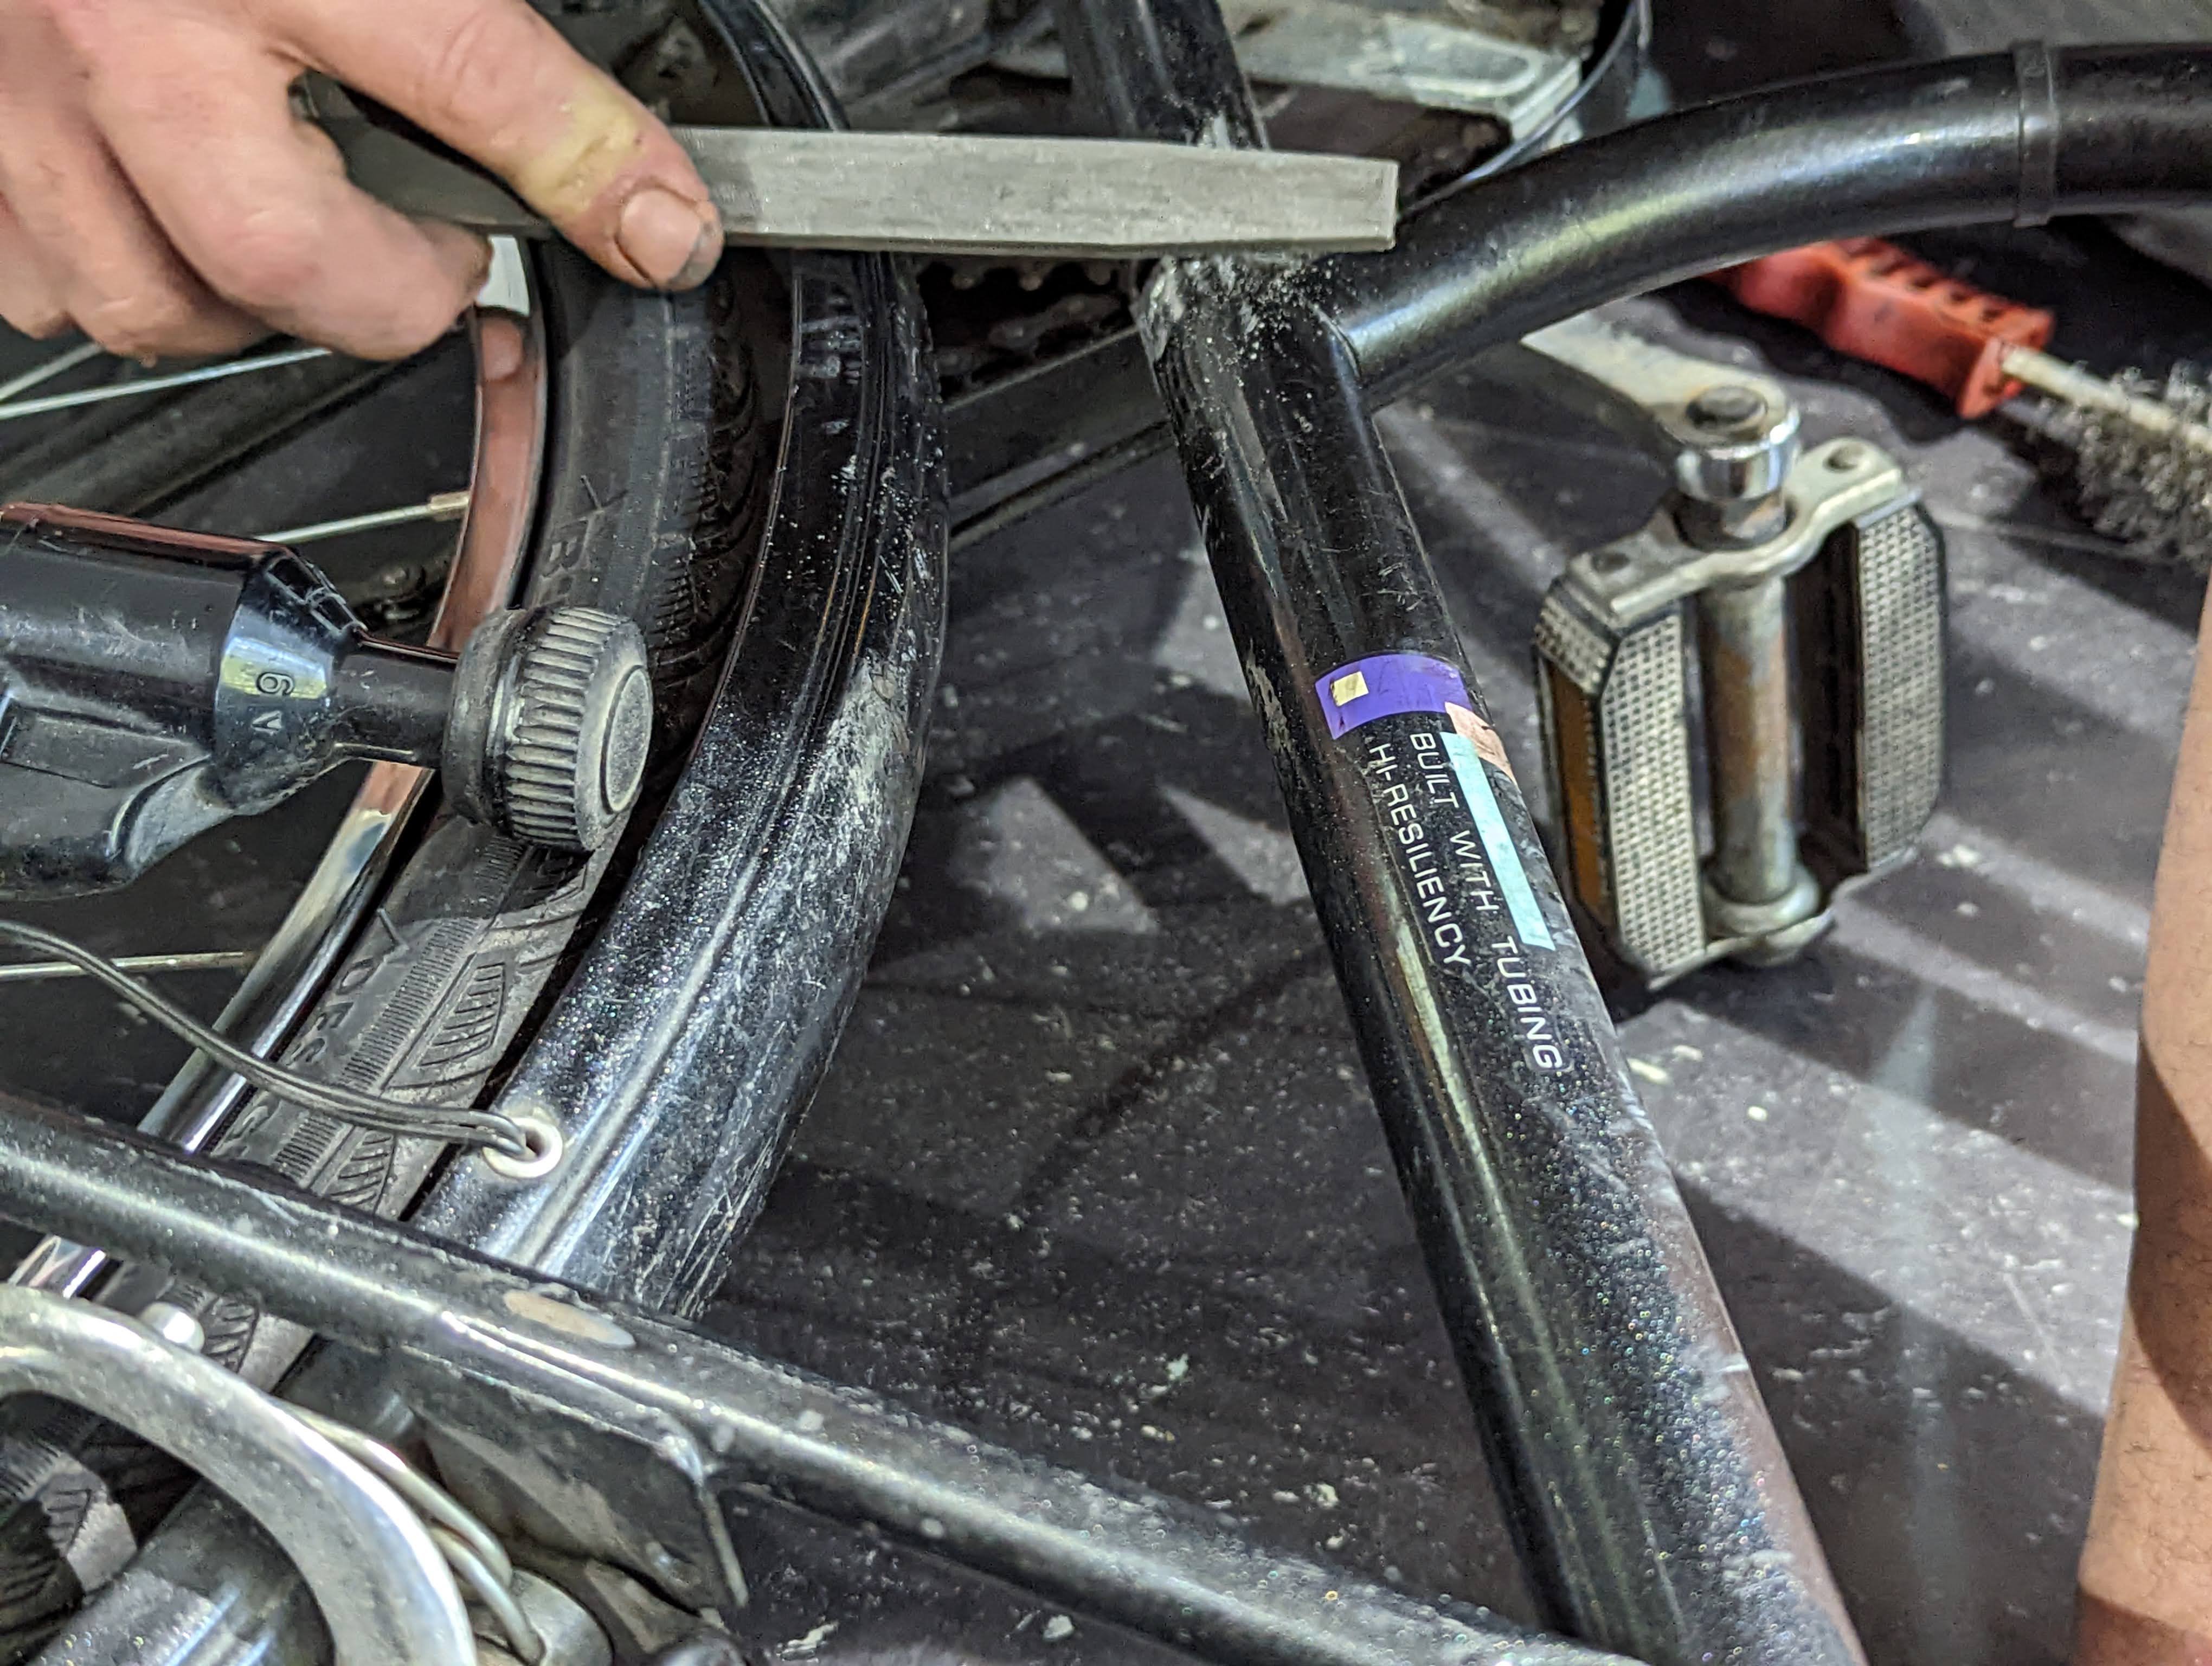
point(1812, 663)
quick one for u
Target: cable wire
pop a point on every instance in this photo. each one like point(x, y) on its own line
point(497, 1599)
point(463, 1127)
point(476, 1558)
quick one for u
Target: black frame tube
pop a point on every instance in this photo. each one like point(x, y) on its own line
point(456, 1331)
point(2022, 136)
point(1654, 1509)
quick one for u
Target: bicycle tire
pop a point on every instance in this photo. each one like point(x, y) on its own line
point(656, 475)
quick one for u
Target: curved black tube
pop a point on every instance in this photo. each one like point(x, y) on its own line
point(2018, 135)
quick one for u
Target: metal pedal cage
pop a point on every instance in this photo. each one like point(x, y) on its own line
point(1652, 1504)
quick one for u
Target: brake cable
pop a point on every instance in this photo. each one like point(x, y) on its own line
point(463, 1127)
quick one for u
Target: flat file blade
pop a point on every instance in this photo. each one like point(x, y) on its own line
point(935, 193)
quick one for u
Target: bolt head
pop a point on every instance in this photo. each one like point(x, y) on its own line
point(172, 1323)
point(1728, 408)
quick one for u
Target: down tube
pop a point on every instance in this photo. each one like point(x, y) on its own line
point(1657, 1513)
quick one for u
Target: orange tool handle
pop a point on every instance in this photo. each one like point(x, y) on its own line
point(1874, 302)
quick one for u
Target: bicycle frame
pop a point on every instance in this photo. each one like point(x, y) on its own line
point(1647, 1491)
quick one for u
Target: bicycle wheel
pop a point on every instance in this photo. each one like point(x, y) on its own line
point(750, 473)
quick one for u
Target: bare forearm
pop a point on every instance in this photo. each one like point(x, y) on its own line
point(2146, 1570)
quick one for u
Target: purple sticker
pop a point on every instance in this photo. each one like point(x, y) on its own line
point(1384, 685)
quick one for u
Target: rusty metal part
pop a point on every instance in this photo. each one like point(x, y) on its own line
point(1755, 883)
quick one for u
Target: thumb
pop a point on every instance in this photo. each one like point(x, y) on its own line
point(497, 83)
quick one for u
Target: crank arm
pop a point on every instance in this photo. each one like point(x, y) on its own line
point(1721, 433)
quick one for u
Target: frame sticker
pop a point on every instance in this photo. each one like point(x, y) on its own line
point(1394, 685)
point(1386, 685)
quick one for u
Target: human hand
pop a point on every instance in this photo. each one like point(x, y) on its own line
point(158, 192)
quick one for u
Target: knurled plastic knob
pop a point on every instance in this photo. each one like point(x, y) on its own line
point(552, 713)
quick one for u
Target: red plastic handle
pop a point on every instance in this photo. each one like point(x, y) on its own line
point(1872, 300)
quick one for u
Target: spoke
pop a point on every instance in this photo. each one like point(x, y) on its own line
point(446, 506)
point(39, 375)
point(210, 373)
point(215, 960)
